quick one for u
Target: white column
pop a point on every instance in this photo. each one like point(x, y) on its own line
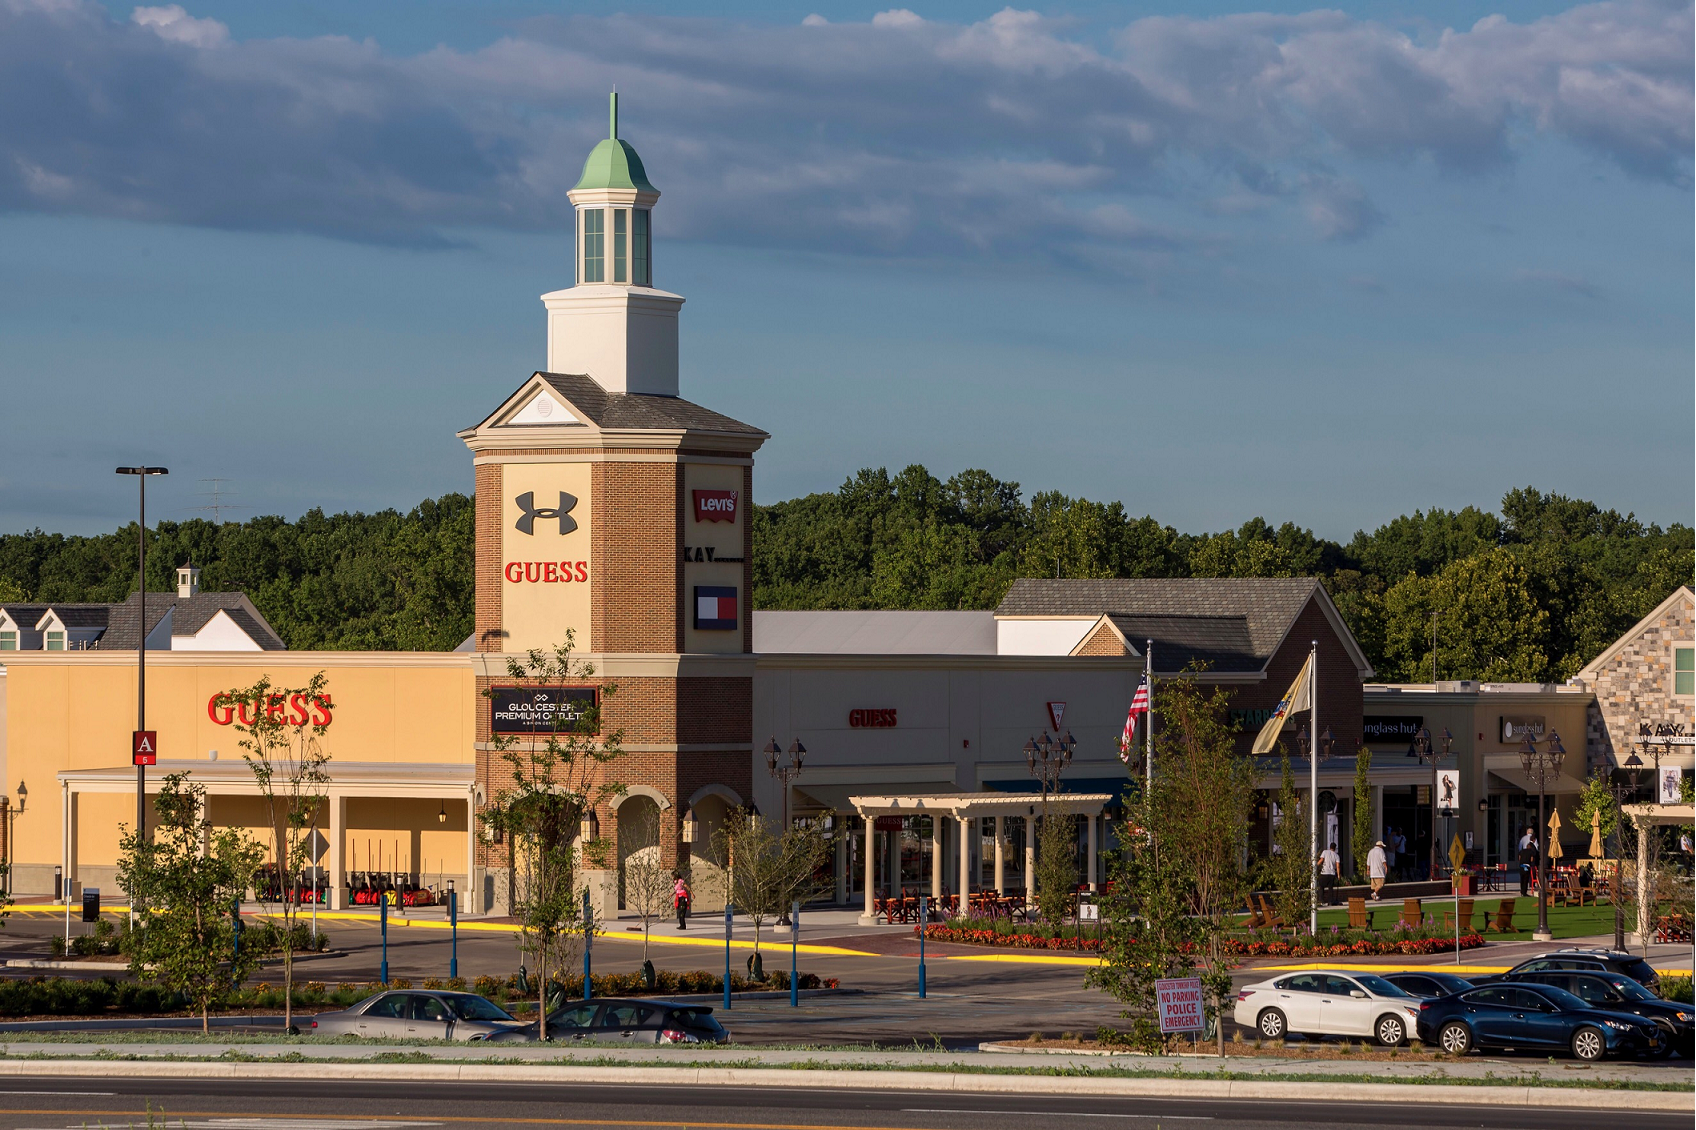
point(1030, 857)
point(1090, 876)
point(867, 918)
point(1000, 855)
point(936, 856)
point(965, 825)
point(338, 853)
point(841, 870)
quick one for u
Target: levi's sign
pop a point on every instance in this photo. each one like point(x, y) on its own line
point(538, 710)
point(715, 505)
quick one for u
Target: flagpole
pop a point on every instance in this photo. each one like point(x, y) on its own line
point(1313, 780)
point(1148, 729)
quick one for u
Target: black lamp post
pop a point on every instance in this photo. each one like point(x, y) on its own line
point(1424, 751)
point(785, 773)
point(1048, 758)
point(1542, 766)
point(141, 474)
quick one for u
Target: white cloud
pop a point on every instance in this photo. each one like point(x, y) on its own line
point(898, 135)
point(173, 23)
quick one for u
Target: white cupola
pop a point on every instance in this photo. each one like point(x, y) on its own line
point(613, 325)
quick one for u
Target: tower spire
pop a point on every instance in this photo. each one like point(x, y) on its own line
point(612, 115)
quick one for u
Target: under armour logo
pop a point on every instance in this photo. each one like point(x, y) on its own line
point(527, 503)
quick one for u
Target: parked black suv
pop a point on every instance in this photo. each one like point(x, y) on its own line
point(1616, 992)
point(1582, 961)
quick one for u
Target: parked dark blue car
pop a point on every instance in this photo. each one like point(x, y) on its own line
point(1533, 1016)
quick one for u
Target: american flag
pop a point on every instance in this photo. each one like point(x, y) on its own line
point(1139, 707)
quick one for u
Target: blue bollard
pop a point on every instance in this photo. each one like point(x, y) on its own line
point(794, 944)
point(383, 917)
point(453, 931)
point(923, 916)
point(588, 942)
point(729, 911)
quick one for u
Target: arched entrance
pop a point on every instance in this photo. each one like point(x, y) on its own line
point(638, 841)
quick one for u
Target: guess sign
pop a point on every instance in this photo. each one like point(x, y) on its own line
point(715, 505)
point(546, 572)
point(289, 710)
point(872, 719)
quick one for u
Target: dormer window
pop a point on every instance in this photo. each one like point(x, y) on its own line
point(55, 641)
point(8, 640)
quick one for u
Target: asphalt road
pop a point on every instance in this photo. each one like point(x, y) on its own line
point(52, 1104)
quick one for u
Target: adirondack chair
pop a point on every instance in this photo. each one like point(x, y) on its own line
point(1412, 915)
point(1272, 920)
point(1568, 892)
point(1255, 921)
point(1504, 917)
point(1465, 913)
point(1357, 914)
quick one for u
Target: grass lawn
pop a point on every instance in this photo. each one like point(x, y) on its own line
point(1564, 921)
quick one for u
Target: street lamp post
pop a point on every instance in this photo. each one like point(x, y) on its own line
point(1423, 750)
point(1048, 758)
point(141, 474)
point(784, 774)
point(1542, 766)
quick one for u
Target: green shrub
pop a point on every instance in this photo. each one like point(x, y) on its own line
point(1676, 989)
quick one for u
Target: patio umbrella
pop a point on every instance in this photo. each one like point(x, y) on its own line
point(1554, 835)
point(1596, 849)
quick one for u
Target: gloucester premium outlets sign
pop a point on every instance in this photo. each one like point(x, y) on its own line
point(539, 710)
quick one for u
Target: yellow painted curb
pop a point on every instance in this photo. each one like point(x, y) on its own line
point(1022, 958)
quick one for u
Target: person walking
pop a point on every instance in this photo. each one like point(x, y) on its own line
point(1401, 860)
point(1377, 869)
point(1527, 861)
point(1329, 861)
point(680, 902)
point(1388, 843)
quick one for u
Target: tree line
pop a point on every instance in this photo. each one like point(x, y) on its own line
point(1529, 593)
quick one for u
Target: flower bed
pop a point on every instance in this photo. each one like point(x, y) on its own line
point(1335, 944)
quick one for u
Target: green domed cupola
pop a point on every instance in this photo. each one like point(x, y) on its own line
point(613, 163)
point(613, 199)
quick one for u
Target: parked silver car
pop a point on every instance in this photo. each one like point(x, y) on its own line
point(418, 1015)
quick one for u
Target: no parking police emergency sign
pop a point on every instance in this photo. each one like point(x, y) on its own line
point(1180, 1004)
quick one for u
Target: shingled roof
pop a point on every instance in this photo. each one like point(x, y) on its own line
point(627, 411)
point(188, 616)
point(1233, 623)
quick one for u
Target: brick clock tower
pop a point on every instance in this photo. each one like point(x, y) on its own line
point(609, 506)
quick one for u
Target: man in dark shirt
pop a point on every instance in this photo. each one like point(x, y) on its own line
point(1527, 862)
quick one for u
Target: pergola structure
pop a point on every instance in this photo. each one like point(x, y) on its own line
point(1647, 817)
point(964, 808)
point(451, 784)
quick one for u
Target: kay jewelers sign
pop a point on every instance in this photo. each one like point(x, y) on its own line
point(1180, 1004)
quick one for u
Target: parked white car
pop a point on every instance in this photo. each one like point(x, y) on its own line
point(1327, 1003)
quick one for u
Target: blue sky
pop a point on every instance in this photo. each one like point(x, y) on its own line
point(1326, 266)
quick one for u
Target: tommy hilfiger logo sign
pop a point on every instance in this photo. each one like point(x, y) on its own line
point(715, 505)
point(527, 503)
point(715, 608)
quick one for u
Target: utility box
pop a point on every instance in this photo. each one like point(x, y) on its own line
point(91, 904)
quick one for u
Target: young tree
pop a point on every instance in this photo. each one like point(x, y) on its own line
point(1056, 863)
point(282, 742)
point(767, 871)
point(648, 883)
point(186, 882)
point(1181, 866)
point(1289, 869)
point(1361, 836)
point(558, 775)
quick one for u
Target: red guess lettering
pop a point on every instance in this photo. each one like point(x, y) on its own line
point(546, 572)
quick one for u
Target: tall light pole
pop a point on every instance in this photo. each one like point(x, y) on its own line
point(141, 474)
point(1542, 766)
point(1048, 758)
point(783, 774)
point(1422, 749)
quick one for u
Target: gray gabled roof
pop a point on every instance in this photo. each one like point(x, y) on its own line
point(1242, 619)
point(637, 410)
point(188, 616)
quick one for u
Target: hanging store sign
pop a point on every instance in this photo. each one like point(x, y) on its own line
point(539, 710)
point(1448, 790)
point(888, 823)
point(1056, 711)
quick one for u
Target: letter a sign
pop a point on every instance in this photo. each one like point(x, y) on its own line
point(144, 747)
